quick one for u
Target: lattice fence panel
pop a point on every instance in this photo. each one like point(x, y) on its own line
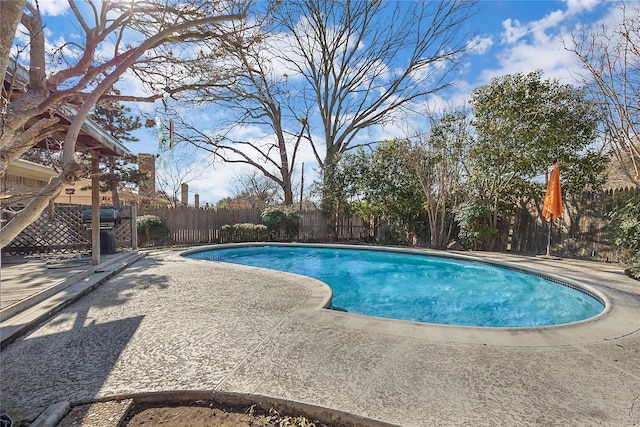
point(56, 231)
point(61, 231)
point(123, 230)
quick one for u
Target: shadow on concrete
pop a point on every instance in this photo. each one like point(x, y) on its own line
point(79, 352)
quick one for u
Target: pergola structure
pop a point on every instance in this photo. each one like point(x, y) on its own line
point(92, 140)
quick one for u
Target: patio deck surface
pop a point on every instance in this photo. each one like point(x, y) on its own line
point(169, 324)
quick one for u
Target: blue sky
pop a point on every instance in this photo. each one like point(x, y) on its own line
point(512, 36)
point(526, 35)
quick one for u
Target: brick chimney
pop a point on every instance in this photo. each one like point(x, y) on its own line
point(185, 194)
point(147, 163)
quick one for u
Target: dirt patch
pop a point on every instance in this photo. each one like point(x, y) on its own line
point(210, 414)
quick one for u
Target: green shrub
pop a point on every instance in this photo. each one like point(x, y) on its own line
point(624, 230)
point(280, 221)
point(473, 221)
point(243, 233)
point(390, 234)
point(152, 231)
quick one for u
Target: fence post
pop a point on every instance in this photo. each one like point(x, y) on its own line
point(134, 227)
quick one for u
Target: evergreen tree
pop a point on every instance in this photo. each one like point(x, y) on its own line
point(116, 120)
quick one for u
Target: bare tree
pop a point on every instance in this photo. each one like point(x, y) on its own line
point(144, 36)
point(174, 168)
point(611, 58)
point(365, 63)
point(256, 191)
point(254, 94)
point(326, 67)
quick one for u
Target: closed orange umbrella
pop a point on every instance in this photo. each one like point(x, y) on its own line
point(553, 199)
point(552, 208)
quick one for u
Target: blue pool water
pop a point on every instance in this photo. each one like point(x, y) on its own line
point(423, 288)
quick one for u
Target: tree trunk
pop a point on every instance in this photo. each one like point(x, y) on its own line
point(37, 205)
point(115, 197)
point(10, 14)
point(285, 173)
point(288, 192)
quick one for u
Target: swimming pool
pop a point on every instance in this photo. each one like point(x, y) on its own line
point(423, 288)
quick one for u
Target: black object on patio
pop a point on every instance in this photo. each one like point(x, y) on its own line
point(109, 218)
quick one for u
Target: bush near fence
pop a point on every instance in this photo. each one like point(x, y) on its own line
point(243, 233)
point(152, 231)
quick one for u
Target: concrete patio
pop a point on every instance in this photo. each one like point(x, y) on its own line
point(166, 323)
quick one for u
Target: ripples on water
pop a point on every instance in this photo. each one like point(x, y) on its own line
point(423, 288)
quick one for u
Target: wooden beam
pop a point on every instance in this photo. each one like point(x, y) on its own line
point(95, 207)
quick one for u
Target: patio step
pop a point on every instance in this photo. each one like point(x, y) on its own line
point(18, 318)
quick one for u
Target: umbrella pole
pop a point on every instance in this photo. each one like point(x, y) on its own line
point(549, 239)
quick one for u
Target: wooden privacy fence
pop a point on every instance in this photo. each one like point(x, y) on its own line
point(60, 230)
point(189, 225)
point(579, 233)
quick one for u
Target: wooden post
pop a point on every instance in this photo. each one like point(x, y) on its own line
point(134, 227)
point(301, 186)
point(95, 207)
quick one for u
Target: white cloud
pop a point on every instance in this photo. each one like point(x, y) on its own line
point(578, 6)
point(513, 31)
point(480, 45)
point(217, 180)
point(129, 84)
point(52, 7)
point(549, 22)
point(525, 57)
point(539, 44)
